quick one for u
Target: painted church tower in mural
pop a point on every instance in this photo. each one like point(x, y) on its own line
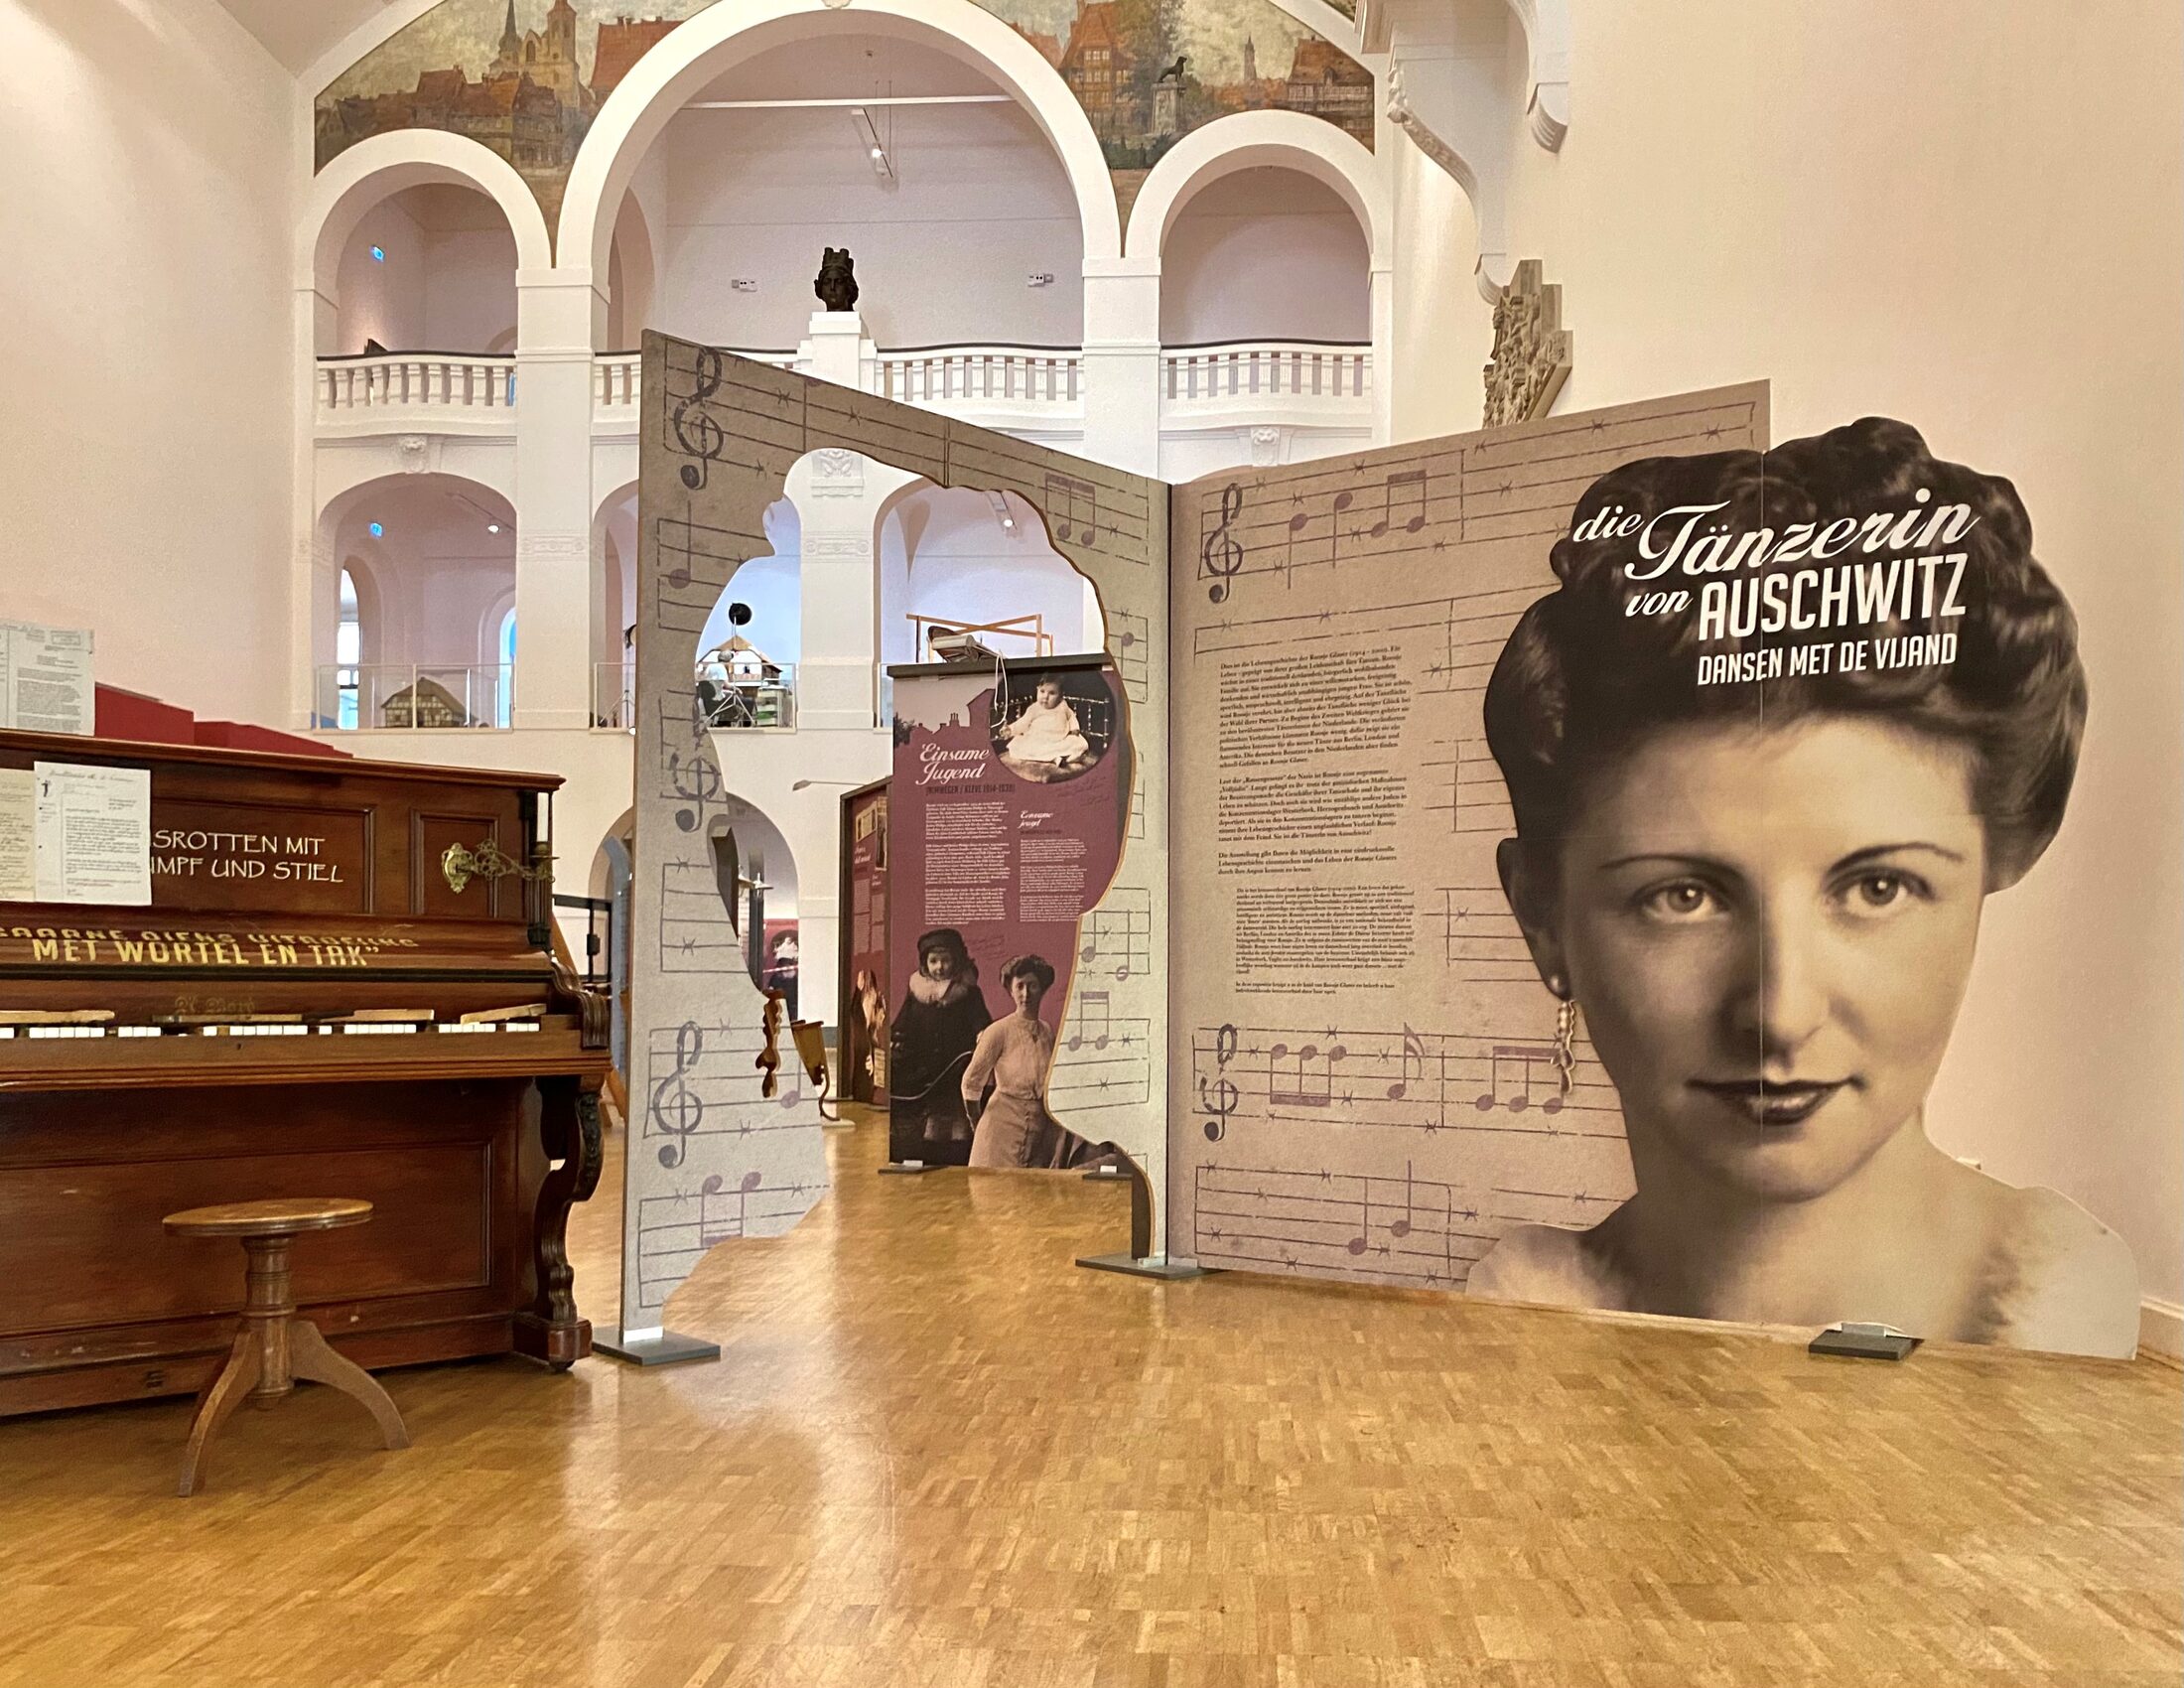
point(548, 56)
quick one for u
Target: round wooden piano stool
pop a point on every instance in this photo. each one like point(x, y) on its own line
point(274, 1346)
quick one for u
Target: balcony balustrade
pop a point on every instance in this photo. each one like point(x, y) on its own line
point(1001, 385)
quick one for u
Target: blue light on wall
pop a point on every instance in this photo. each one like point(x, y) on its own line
point(379, 531)
point(378, 254)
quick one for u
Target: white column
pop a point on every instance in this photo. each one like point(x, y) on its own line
point(838, 497)
point(315, 582)
point(1383, 306)
point(558, 314)
point(1122, 363)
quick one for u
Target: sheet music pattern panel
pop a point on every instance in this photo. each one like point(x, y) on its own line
point(1361, 1065)
point(720, 437)
point(711, 1159)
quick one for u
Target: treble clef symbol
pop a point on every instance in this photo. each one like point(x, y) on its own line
point(1221, 558)
point(697, 781)
point(1219, 1098)
point(676, 1107)
point(704, 438)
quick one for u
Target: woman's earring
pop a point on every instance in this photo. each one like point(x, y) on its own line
point(1566, 1035)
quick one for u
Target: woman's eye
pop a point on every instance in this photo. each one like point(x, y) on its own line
point(1684, 899)
point(1871, 892)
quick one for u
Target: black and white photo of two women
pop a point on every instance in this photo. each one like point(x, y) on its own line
point(1785, 725)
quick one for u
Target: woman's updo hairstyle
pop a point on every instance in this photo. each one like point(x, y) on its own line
point(1579, 681)
point(1035, 967)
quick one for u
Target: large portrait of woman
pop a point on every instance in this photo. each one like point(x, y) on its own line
point(1755, 831)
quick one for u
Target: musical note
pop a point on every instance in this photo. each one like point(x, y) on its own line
point(703, 442)
point(1301, 1095)
point(1414, 1052)
point(1220, 557)
point(1073, 507)
point(677, 1108)
point(1406, 488)
point(1527, 1058)
point(1221, 1099)
point(1089, 1003)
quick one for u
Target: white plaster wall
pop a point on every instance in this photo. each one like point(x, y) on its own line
point(942, 254)
point(1443, 328)
point(145, 445)
point(383, 299)
point(1265, 254)
point(470, 290)
point(1970, 214)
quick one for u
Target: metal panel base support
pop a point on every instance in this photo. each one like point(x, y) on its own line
point(661, 1347)
point(1151, 1266)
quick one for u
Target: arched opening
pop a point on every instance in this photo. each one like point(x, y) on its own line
point(503, 688)
point(958, 565)
point(755, 871)
point(708, 47)
point(348, 653)
point(754, 635)
point(614, 608)
point(429, 562)
point(922, 165)
point(1265, 254)
point(631, 278)
point(428, 268)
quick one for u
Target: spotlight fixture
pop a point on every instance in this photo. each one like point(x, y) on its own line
point(868, 132)
point(378, 254)
point(1002, 513)
point(379, 531)
point(492, 527)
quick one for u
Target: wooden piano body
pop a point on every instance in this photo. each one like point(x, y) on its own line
point(295, 902)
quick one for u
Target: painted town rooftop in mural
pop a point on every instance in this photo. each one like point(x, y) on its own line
point(526, 77)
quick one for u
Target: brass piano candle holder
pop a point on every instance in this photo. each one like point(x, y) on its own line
point(462, 863)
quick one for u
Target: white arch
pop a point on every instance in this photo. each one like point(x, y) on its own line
point(700, 50)
point(1251, 140)
point(384, 165)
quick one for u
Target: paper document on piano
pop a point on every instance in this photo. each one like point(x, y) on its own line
point(18, 835)
point(93, 833)
point(46, 678)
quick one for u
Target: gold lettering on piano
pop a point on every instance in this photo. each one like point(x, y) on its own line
point(75, 946)
point(187, 852)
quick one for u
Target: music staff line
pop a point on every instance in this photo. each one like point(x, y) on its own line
point(1100, 1061)
point(1404, 1080)
point(1115, 939)
point(1473, 795)
point(1421, 502)
point(1481, 942)
point(1471, 633)
point(675, 1231)
point(1406, 1228)
point(694, 1074)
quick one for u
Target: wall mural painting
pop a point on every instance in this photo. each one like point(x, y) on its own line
point(526, 77)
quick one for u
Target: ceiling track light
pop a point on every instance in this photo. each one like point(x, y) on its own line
point(868, 134)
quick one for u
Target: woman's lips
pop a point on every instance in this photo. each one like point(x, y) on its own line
point(1767, 1102)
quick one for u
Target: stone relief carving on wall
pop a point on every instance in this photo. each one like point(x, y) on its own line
point(1532, 349)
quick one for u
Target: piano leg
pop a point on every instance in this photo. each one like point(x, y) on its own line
point(569, 1123)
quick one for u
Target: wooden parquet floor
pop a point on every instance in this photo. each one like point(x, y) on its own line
point(936, 1454)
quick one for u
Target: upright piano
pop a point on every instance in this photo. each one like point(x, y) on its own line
point(345, 984)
